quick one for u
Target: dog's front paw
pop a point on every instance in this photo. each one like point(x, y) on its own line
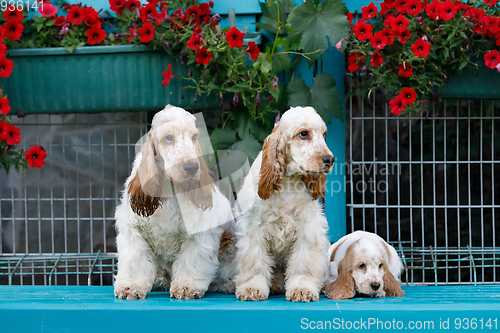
point(130, 291)
point(380, 294)
point(251, 294)
point(185, 291)
point(302, 295)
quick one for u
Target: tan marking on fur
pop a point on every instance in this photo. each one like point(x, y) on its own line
point(343, 286)
point(303, 295)
point(273, 164)
point(315, 184)
point(226, 240)
point(252, 294)
point(391, 285)
point(278, 281)
point(183, 292)
point(332, 256)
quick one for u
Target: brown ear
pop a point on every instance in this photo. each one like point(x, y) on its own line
point(391, 285)
point(315, 184)
point(343, 287)
point(146, 186)
point(273, 164)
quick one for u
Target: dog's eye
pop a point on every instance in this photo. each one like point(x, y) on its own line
point(303, 135)
point(195, 136)
point(362, 266)
point(169, 138)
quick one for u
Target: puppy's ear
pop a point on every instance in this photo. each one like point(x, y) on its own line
point(146, 186)
point(391, 285)
point(315, 184)
point(273, 164)
point(343, 287)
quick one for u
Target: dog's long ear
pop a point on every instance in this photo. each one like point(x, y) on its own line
point(315, 184)
point(146, 186)
point(343, 287)
point(391, 285)
point(273, 164)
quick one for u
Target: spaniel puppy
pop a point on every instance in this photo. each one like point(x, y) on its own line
point(363, 263)
point(171, 221)
point(281, 228)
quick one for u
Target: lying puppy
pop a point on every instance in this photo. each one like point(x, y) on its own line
point(363, 263)
point(171, 221)
point(281, 225)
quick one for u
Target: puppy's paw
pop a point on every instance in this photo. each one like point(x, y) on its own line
point(251, 294)
point(130, 291)
point(185, 291)
point(302, 295)
point(380, 294)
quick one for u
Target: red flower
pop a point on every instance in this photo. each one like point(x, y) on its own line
point(193, 13)
point(432, 10)
point(498, 39)
point(90, 16)
point(195, 42)
point(491, 3)
point(6, 66)
point(492, 59)
point(253, 50)
point(400, 6)
point(376, 59)
point(60, 20)
point(2, 34)
point(203, 56)
point(147, 32)
point(4, 105)
point(117, 6)
point(404, 36)
point(446, 10)
point(234, 37)
point(369, 11)
point(408, 96)
point(148, 12)
point(354, 60)
point(2, 126)
point(363, 30)
point(399, 23)
point(35, 156)
point(133, 33)
point(379, 41)
point(421, 48)
point(387, 32)
point(350, 16)
point(3, 49)
point(386, 6)
point(13, 15)
point(205, 9)
point(397, 105)
point(47, 9)
point(13, 30)
point(96, 35)
point(75, 15)
point(153, 2)
point(405, 70)
point(132, 5)
point(413, 7)
point(167, 76)
point(10, 133)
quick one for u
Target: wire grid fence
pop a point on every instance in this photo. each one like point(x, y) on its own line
point(427, 183)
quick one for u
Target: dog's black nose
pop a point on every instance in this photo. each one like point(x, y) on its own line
point(375, 286)
point(328, 160)
point(191, 168)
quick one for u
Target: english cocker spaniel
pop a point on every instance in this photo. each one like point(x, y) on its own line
point(175, 228)
point(363, 263)
point(281, 228)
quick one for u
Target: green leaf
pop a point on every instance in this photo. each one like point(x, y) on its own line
point(249, 146)
point(315, 24)
point(281, 62)
point(462, 65)
point(321, 96)
point(245, 125)
point(50, 23)
point(263, 63)
point(446, 53)
point(70, 48)
point(222, 138)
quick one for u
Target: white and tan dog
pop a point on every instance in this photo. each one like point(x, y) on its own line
point(281, 228)
point(363, 263)
point(156, 249)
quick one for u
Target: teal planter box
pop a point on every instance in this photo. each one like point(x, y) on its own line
point(96, 79)
point(470, 84)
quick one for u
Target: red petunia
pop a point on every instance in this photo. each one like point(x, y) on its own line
point(6, 66)
point(147, 32)
point(13, 30)
point(354, 61)
point(12, 14)
point(47, 9)
point(10, 133)
point(193, 13)
point(4, 105)
point(446, 10)
point(234, 37)
point(400, 6)
point(35, 156)
point(350, 16)
point(405, 70)
point(397, 105)
point(195, 42)
point(376, 59)
point(167, 76)
point(432, 10)
point(408, 96)
point(117, 6)
point(253, 50)
point(421, 48)
point(90, 16)
point(369, 11)
point(205, 9)
point(404, 36)
point(60, 20)
point(387, 32)
point(492, 59)
point(3, 48)
point(96, 35)
point(148, 13)
point(413, 7)
point(363, 30)
point(2, 126)
point(132, 5)
point(203, 56)
point(491, 3)
point(154, 2)
point(386, 6)
point(399, 23)
point(379, 41)
point(2, 34)
point(75, 15)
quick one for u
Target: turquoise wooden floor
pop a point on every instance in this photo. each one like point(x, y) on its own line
point(94, 309)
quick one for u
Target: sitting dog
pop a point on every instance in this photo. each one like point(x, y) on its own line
point(363, 263)
point(281, 228)
point(168, 239)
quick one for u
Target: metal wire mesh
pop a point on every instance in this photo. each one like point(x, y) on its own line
point(428, 182)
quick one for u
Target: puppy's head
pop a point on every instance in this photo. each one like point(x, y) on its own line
point(171, 151)
point(296, 146)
